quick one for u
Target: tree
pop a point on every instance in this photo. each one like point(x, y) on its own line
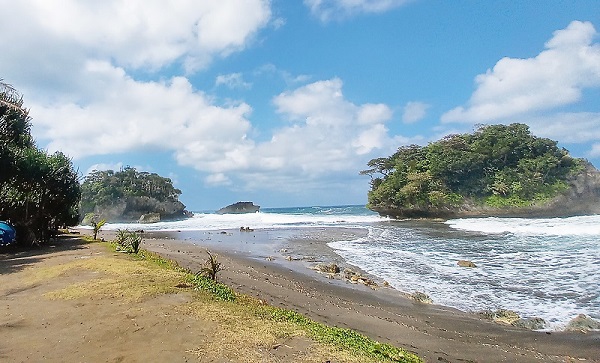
point(39, 192)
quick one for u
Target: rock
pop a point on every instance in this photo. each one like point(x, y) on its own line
point(149, 218)
point(239, 208)
point(502, 316)
point(421, 297)
point(331, 268)
point(466, 263)
point(583, 322)
point(531, 323)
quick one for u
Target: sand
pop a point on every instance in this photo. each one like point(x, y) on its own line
point(436, 333)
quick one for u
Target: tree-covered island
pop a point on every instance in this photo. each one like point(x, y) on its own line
point(498, 170)
point(129, 195)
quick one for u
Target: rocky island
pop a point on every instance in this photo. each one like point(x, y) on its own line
point(128, 195)
point(499, 170)
point(239, 208)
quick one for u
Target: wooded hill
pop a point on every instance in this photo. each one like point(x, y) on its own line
point(127, 195)
point(497, 170)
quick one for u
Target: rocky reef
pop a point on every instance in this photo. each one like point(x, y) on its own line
point(239, 208)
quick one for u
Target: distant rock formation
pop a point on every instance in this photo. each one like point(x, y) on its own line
point(239, 208)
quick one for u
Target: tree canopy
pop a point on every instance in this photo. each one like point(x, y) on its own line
point(497, 166)
point(38, 191)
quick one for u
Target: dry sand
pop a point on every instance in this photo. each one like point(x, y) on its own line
point(30, 330)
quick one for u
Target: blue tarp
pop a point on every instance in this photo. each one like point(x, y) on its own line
point(7, 233)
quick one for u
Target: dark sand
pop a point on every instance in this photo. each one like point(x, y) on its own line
point(256, 263)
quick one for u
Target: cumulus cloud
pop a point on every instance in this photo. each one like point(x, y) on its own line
point(327, 10)
point(132, 115)
point(555, 77)
point(51, 40)
point(414, 111)
point(327, 131)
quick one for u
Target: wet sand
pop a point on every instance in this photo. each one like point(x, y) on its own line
point(274, 267)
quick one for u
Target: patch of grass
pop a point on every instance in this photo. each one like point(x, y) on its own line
point(339, 337)
point(218, 290)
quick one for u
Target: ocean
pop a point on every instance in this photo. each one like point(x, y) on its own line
point(548, 268)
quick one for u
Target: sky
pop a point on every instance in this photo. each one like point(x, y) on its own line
point(283, 102)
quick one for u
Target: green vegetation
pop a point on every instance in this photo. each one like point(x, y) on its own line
point(211, 267)
point(39, 192)
point(128, 241)
point(95, 222)
point(138, 192)
point(496, 166)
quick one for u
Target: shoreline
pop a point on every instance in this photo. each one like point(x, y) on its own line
point(434, 332)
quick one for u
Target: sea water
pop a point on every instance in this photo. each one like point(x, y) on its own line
point(548, 268)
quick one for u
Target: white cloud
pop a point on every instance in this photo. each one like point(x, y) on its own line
point(217, 179)
point(51, 41)
point(327, 132)
point(595, 152)
point(327, 10)
point(414, 111)
point(572, 127)
point(133, 115)
point(233, 81)
point(556, 77)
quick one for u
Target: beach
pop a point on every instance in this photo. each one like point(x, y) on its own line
point(279, 278)
point(434, 332)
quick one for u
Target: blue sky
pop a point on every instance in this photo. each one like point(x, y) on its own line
point(284, 102)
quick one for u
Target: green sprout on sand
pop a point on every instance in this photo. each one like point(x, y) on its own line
point(95, 223)
point(211, 267)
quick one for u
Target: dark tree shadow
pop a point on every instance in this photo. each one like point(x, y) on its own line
point(14, 258)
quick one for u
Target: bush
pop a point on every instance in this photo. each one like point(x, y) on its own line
point(128, 241)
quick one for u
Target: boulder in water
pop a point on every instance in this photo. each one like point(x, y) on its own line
point(583, 322)
point(531, 323)
point(466, 263)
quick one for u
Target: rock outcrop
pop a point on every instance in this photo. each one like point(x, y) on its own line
point(141, 209)
point(239, 208)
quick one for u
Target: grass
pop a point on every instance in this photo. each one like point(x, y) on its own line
point(242, 328)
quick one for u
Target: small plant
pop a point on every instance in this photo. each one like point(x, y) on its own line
point(95, 223)
point(135, 240)
point(211, 267)
point(128, 241)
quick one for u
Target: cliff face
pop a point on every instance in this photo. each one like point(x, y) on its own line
point(581, 198)
point(135, 208)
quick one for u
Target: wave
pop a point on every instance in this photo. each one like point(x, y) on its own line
point(571, 226)
point(345, 216)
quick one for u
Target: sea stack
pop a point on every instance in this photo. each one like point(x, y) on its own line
point(239, 208)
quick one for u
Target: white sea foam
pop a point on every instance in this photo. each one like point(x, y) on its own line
point(572, 226)
point(552, 276)
point(211, 221)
